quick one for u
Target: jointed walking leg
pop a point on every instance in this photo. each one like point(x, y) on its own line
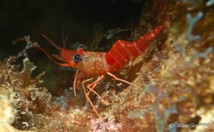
point(87, 97)
point(94, 84)
point(75, 80)
point(122, 80)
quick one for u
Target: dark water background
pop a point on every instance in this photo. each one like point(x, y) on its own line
point(30, 17)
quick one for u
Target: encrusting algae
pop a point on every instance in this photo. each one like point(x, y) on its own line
point(175, 75)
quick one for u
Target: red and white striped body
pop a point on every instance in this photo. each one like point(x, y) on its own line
point(97, 63)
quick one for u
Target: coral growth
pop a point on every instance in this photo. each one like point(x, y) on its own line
point(175, 75)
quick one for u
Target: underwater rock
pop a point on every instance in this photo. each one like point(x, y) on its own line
point(7, 112)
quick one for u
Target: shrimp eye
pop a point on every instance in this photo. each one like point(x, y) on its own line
point(82, 46)
point(77, 58)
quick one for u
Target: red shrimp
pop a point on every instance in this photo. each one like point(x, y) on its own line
point(97, 64)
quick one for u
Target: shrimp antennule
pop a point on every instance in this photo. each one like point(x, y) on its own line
point(49, 56)
point(50, 41)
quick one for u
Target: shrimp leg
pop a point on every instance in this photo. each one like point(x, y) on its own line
point(78, 76)
point(94, 85)
point(122, 80)
point(75, 80)
point(87, 97)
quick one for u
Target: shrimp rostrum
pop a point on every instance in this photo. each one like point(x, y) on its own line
point(97, 64)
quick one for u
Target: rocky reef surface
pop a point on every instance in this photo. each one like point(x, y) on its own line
point(175, 75)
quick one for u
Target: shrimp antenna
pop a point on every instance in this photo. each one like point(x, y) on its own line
point(63, 34)
point(64, 39)
point(50, 41)
point(28, 41)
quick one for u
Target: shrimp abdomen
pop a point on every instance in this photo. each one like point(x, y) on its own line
point(123, 51)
